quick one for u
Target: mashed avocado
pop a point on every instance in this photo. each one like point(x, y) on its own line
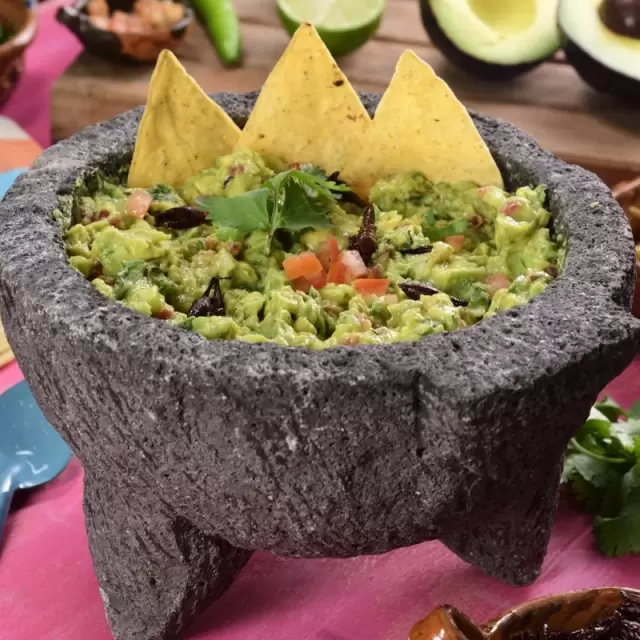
point(469, 253)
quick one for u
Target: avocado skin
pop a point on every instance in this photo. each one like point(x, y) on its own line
point(601, 77)
point(484, 70)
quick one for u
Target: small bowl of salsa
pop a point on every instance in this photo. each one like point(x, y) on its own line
point(17, 29)
point(129, 31)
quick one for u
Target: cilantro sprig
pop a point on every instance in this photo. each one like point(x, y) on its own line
point(292, 200)
point(434, 232)
point(602, 468)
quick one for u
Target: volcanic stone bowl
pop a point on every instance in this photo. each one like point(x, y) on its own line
point(199, 452)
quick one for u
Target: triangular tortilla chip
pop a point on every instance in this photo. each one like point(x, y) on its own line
point(6, 355)
point(182, 130)
point(308, 111)
point(420, 125)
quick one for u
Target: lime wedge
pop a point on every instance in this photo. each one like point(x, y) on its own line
point(343, 25)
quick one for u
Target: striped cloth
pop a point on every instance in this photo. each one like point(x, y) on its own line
point(17, 152)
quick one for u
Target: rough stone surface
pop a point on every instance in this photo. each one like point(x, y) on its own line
point(197, 452)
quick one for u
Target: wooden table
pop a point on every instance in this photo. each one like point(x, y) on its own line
point(552, 103)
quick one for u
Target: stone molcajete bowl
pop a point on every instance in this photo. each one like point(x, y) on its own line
point(198, 453)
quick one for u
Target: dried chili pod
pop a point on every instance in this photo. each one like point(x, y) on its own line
point(414, 290)
point(211, 303)
point(347, 196)
point(365, 242)
point(415, 251)
point(181, 218)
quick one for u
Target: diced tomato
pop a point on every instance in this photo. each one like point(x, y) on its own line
point(511, 207)
point(376, 287)
point(456, 242)
point(337, 273)
point(356, 268)
point(329, 252)
point(496, 282)
point(138, 203)
point(166, 313)
point(304, 265)
point(301, 284)
point(318, 281)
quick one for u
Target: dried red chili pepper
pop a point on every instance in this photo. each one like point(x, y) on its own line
point(211, 303)
point(414, 251)
point(347, 196)
point(622, 624)
point(180, 218)
point(365, 242)
point(414, 290)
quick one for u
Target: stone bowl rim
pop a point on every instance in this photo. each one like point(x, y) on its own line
point(53, 176)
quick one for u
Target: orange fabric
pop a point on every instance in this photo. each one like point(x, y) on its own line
point(17, 154)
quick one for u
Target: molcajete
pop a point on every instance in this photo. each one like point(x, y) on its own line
point(198, 452)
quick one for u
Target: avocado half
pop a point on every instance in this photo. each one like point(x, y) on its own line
point(603, 44)
point(493, 39)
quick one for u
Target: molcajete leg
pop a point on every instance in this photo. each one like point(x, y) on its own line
point(511, 548)
point(156, 571)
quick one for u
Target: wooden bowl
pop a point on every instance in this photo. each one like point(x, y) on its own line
point(122, 47)
point(628, 195)
point(22, 22)
point(567, 612)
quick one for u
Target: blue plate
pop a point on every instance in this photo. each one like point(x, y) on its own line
point(7, 179)
point(31, 451)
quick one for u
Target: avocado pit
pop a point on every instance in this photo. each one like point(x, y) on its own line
point(603, 44)
point(622, 17)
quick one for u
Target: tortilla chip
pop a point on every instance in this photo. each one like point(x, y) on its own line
point(6, 355)
point(182, 130)
point(421, 126)
point(6, 358)
point(307, 111)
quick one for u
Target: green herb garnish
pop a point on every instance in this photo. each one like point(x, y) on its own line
point(132, 271)
point(291, 200)
point(435, 233)
point(602, 467)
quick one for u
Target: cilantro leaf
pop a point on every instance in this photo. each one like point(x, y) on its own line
point(626, 432)
point(593, 482)
point(602, 468)
point(321, 185)
point(634, 412)
point(590, 496)
point(132, 271)
point(245, 212)
point(440, 233)
point(300, 212)
point(620, 535)
point(293, 200)
point(610, 408)
point(593, 471)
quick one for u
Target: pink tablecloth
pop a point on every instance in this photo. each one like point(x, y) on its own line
point(48, 590)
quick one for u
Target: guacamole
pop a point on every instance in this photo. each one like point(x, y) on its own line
point(328, 269)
